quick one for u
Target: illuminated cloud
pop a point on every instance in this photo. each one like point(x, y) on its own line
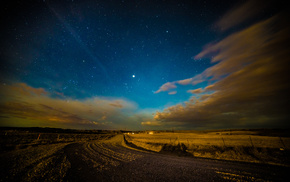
point(22, 105)
point(209, 87)
point(241, 13)
point(151, 123)
point(116, 104)
point(172, 85)
point(189, 81)
point(24, 89)
point(185, 81)
point(196, 91)
point(172, 93)
point(251, 78)
point(165, 87)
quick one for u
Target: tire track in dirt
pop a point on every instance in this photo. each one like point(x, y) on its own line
point(118, 161)
point(41, 163)
point(89, 160)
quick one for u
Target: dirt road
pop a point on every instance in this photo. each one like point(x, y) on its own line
point(114, 160)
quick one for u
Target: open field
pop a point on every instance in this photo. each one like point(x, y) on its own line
point(11, 139)
point(27, 155)
point(236, 145)
point(112, 156)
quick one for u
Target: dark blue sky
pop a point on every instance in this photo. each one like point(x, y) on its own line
point(88, 48)
point(79, 50)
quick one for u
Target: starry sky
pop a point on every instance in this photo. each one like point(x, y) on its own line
point(139, 65)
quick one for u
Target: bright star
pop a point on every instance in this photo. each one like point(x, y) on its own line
point(133, 76)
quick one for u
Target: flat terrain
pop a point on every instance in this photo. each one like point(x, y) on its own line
point(113, 159)
point(245, 146)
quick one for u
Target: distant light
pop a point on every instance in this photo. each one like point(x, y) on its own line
point(133, 76)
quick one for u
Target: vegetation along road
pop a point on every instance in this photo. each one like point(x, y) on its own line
point(116, 160)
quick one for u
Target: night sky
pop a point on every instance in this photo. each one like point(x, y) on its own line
point(140, 65)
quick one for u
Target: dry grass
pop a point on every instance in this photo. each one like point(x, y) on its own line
point(27, 156)
point(31, 163)
point(20, 140)
point(235, 145)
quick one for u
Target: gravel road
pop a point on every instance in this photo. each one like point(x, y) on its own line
point(114, 160)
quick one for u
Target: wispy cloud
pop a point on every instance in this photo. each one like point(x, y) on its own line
point(251, 80)
point(166, 87)
point(22, 105)
point(185, 81)
point(172, 92)
point(151, 123)
point(241, 13)
point(195, 91)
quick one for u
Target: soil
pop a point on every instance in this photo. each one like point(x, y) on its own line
point(114, 160)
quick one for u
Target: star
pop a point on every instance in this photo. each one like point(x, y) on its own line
point(86, 54)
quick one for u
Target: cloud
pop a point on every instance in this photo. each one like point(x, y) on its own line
point(185, 81)
point(151, 123)
point(196, 91)
point(165, 87)
point(172, 85)
point(251, 78)
point(172, 93)
point(199, 78)
point(28, 91)
point(22, 105)
point(241, 13)
point(209, 87)
point(117, 104)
